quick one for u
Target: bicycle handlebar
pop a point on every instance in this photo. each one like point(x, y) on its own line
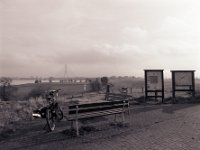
point(52, 92)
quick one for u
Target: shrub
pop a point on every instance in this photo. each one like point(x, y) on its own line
point(35, 93)
point(95, 85)
point(6, 89)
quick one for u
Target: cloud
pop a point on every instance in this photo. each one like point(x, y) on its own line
point(176, 37)
point(128, 35)
point(135, 32)
point(106, 54)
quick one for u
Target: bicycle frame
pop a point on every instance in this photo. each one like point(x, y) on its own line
point(52, 112)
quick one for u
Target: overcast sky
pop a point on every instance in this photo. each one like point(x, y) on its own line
point(98, 37)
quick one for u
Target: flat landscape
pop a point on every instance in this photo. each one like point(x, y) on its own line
point(99, 75)
point(150, 125)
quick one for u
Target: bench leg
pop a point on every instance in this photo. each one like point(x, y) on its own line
point(128, 109)
point(123, 118)
point(72, 124)
point(44, 128)
point(115, 120)
point(77, 129)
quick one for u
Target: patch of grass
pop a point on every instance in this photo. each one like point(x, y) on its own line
point(15, 111)
point(140, 99)
point(31, 90)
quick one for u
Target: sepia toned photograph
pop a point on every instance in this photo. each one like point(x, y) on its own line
point(99, 75)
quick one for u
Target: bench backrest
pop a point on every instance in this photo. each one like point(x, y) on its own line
point(98, 106)
point(116, 96)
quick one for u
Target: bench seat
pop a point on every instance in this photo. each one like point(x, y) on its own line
point(95, 114)
point(76, 112)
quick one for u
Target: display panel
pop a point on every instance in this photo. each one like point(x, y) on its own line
point(154, 84)
point(183, 81)
point(183, 78)
point(154, 80)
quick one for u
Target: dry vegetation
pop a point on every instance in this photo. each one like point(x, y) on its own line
point(15, 111)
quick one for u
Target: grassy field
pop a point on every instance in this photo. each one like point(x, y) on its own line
point(31, 90)
point(12, 112)
point(137, 85)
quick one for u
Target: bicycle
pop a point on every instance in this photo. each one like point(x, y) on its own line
point(52, 112)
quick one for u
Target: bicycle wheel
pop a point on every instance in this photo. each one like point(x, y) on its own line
point(59, 113)
point(50, 120)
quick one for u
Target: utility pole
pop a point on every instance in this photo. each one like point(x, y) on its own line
point(65, 73)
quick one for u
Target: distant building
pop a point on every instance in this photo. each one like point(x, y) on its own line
point(77, 80)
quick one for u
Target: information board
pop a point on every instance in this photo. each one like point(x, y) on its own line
point(183, 81)
point(154, 84)
point(183, 78)
point(154, 80)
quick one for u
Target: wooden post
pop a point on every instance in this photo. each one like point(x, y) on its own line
point(163, 88)
point(115, 120)
point(128, 109)
point(77, 128)
point(156, 95)
point(193, 85)
point(146, 93)
point(123, 117)
point(71, 124)
point(173, 87)
point(107, 96)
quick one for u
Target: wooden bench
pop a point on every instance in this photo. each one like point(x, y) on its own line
point(118, 96)
point(90, 110)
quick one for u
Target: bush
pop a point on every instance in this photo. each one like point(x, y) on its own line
point(7, 92)
point(5, 83)
point(15, 111)
point(95, 85)
point(35, 93)
point(104, 80)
